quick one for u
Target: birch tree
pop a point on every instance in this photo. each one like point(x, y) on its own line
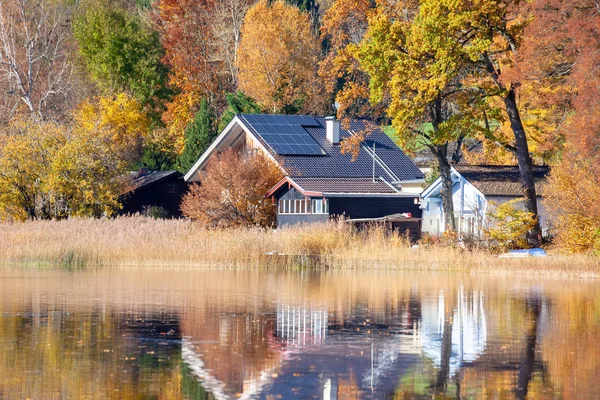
point(35, 70)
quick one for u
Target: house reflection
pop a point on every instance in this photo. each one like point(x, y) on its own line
point(456, 340)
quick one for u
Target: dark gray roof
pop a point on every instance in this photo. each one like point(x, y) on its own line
point(139, 180)
point(336, 165)
point(501, 180)
point(344, 185)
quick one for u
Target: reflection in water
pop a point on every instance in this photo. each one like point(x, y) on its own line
point(205, 334)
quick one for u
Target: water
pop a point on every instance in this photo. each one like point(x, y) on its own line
point(224, 334)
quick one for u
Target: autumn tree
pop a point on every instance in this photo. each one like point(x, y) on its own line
point(344, 25)
point(54, 171)
point(489, 34)
point(421, 75)
point(277, 58)
point(199, 134)
point(478, 44)
point(232, 192)
point(563, 41)
point(27, 148)
point(122, 53)
point(201, 39)
point(35, 64)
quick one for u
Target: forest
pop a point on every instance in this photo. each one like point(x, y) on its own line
point(91, 89)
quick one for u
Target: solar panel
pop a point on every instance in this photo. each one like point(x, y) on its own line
point(285, 133)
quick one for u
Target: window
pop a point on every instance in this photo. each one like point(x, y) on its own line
point(171, 189)
point(304, 206)
point(319, 206)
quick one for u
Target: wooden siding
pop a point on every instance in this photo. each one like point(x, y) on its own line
point(289, 194)
point(166, 194)
point(293, 219)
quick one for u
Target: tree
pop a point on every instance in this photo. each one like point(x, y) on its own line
point(86, 176)
point(488, 34)
point(345, 24)
point(201, 39)
point(232, 192)
point(54, 171)
point(568, 35)
point(27, 148)
point(277, 58)
point(35, 69)
point(122, 54)
point(481, 43)
point(420, 76)
point(237, 103)
point(199, 134)
point(120, 121)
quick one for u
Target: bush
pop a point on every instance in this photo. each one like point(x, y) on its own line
point(156, 212)
point(232, 192)
point(509, 227)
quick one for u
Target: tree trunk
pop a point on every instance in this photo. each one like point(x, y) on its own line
point(445, 175)
point(525, 164)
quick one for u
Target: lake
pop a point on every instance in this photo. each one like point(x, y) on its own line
point(257, 334)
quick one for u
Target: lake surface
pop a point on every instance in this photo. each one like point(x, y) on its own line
point(249, 334)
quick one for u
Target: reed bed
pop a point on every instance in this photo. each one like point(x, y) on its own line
point(141, 241)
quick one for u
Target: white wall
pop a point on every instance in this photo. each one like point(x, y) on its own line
point(474, 205)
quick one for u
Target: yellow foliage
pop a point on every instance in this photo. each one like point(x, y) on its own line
point(119, 119)
point(180, 111)
point(510, 226)
point(53, 171)
point(26, 150)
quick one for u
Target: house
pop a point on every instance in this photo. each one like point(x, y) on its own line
point(154, 188)
point(476, 190)
point(320, 181)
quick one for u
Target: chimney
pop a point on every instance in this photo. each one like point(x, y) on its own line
point(143, 171)
point(333, 130)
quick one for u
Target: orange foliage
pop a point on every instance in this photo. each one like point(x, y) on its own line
point(277, 59)
point(565, 42)
point(232, 192)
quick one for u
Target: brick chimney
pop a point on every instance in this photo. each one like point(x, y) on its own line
point(332, 127)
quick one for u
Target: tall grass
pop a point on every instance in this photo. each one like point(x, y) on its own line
point(140, 241)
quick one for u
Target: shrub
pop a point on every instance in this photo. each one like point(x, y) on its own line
point(232, 192)
point(156, 212)
point(509, 226)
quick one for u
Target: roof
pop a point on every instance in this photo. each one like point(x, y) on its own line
point(141, 180)
point(345, 185)
point(338, 187)
point(391, 163)
point(501, 180)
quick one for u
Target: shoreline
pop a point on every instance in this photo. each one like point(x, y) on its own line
point(128, 242)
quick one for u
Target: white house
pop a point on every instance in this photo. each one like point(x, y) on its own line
point(476, 190)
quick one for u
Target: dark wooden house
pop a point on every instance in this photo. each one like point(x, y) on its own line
point(322, 182)
point(147, 189)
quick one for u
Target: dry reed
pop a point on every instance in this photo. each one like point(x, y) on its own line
point(140, 241)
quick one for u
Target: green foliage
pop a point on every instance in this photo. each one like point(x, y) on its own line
point(199, 134)
point(155, 158)
point(237, 103)
point(509, 226)
point(122, 53)
point(156, 212)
